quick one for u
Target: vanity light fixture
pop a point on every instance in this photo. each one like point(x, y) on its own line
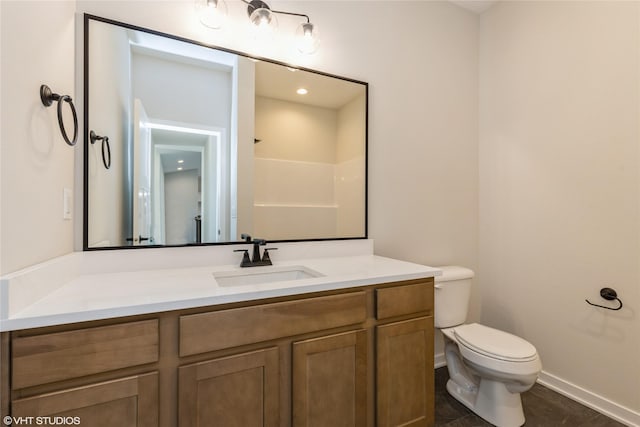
point(302, 91)
point(213, 12)
point(307, 37)
point(180, 161)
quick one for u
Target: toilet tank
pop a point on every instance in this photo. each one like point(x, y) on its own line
point(452, 293)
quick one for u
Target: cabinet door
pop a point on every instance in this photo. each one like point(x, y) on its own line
point(125, 402)
point(405, 383)
point(235, 391)
point(330, 381)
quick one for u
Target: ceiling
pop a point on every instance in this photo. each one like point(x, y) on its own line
point(476, 6)
point(276, 81)
point(179, 149)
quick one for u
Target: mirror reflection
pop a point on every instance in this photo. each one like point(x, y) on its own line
point(207, 144)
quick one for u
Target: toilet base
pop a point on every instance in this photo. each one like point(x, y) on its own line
point(491, 401)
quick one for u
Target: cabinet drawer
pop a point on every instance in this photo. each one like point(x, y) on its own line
point(131, 401)
point(404, 299)
point(59, 356)
point(200, 333)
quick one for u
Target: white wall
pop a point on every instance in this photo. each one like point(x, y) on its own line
point(559, 186)
point(423, 200)
point(294, 199)
point(181, 206)
point(428, 114)
point(318, 162)
point(350, 198)
point(294, 170)
point(37, 48)
point(110, 104)
point(180, 92)
point(422, 115)
point(290, 182)
point(558, 151)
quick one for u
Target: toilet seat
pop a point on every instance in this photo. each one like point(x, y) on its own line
point(494, 343)
point(495, 350)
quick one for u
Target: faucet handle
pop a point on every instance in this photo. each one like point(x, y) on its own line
point(265, 255)
point(246, 261)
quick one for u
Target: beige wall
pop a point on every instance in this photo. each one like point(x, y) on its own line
point(310, 134)
point(350, 168)
point(245, 147)
point(423, 149)
point(559, 185)
point(350, 133)
point(298, 181)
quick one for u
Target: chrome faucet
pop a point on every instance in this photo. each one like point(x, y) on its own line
point(255, 260)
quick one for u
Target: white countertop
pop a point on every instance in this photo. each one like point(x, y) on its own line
point(89, 296)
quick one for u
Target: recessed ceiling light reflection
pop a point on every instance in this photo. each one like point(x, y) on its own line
point(302, 91)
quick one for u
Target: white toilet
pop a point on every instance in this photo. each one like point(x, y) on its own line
point(488, 368)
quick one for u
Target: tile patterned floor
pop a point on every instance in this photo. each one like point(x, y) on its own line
point(542, 408)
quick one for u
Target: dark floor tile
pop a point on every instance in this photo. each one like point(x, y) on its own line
point(467, 421)
point(603, 421)
point(542, 408)
point(447, 407)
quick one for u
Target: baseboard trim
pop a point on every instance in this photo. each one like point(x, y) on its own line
point(439, 361)
point(591, 400)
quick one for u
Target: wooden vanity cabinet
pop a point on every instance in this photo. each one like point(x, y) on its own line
point(404, 350)
point(46, 371)
point(357, 357)
point(238, 390)
point(330, 380)
point(405, 374)
point(130, 402)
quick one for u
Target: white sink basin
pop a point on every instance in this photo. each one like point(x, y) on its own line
point(258, 275)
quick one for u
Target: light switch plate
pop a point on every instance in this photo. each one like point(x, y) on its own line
point(67, 203)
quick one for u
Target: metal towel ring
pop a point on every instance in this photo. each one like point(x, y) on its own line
point(93, 137)
point(47, 97)
point(609, 294)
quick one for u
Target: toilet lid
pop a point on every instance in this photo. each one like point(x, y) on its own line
point(494, 343)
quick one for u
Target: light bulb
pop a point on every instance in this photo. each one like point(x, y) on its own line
point(264, 19)
point(212, 13)
point(307, 38)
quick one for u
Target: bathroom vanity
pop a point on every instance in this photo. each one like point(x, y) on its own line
point(330, 335)
point(351, 347)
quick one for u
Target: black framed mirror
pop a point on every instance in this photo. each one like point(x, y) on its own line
point(207, 143)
